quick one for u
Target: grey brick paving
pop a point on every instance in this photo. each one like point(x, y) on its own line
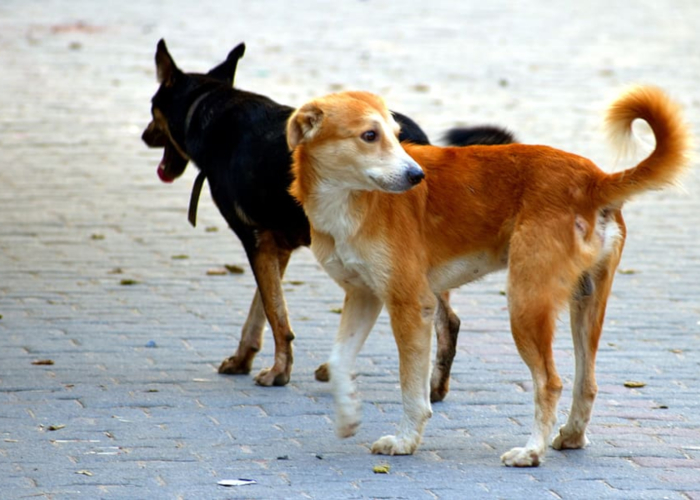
point(81, 209)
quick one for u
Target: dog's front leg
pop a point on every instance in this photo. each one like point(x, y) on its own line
point(411, 320)
point(360, 312)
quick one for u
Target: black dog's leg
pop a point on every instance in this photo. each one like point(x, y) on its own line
point(251, 340)
point(446, 329)
point(269, 261)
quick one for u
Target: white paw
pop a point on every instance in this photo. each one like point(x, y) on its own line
point(347, 420)
point(521, 457)
point(391, 445)
point(569, 442)
point(347, 429)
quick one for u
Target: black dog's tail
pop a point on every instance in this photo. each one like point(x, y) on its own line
point(487, 135)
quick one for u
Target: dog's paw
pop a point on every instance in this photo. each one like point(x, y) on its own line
point(521, 457)
point(347, 419)
point(347, 429)
point(391, 445)
point(566, 441)
point(438, 393)
point(439, 384)
point(271, 376)
point(323, 373)
point(236, 365)
point(348, 413)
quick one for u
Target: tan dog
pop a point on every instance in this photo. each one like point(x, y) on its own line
point(552, 218)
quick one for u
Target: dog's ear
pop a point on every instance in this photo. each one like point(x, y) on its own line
point(165, 66)
point(226, 71)
point(303, 125)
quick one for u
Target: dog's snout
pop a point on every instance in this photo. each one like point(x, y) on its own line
point(153, 137)
point(398, 177)
point(414, 174)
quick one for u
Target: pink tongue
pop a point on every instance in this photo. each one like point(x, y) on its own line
point(163, 176)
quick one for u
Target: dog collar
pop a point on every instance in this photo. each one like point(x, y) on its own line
point(194, 198)
point(199, 180)
point(193, 108)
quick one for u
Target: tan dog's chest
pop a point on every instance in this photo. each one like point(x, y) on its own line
point(346, 265)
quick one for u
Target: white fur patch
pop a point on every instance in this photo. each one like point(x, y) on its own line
point(611, 236)
point(346, 266)
point(344, 263)
point(334, 217)
point(462, 270)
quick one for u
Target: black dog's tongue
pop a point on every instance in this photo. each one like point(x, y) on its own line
point(161, 172)
point(194, 198)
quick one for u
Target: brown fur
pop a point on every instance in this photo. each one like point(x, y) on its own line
point(552, 218)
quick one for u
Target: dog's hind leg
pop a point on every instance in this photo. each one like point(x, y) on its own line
point(446, 330)
point(251, 340)
point(533, 328)
point(541, 277)
point(360, 311)
point(269, 262)
point(411, 320)
point(587, 311)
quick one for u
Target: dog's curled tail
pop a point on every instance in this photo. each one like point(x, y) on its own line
point(671, 154)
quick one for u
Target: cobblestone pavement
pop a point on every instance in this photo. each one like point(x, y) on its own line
point(81, 209)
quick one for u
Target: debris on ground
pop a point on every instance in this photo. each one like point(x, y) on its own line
point(236, 482)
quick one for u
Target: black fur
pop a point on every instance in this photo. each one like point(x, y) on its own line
point(485, 134)
point(410, 130)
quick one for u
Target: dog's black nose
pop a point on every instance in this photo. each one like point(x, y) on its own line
point(414, 175)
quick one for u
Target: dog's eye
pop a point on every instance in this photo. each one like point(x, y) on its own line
point(369, 136)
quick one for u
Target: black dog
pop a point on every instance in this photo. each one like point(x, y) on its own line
point(237, 139)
